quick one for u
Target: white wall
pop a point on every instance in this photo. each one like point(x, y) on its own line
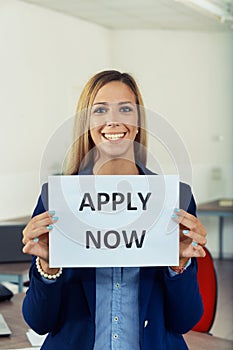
point(188, 78)
point(46, 58)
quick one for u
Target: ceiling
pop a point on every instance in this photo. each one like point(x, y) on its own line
point(148, 14)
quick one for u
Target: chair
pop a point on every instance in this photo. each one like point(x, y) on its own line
point(207, 281)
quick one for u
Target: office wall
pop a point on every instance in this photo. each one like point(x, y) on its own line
point(188, 78)
point(46, 57)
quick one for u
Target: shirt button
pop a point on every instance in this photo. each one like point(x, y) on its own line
point(117, 285)
point(115, 336)
point(116, 319)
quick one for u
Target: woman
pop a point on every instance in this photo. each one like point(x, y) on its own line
point(112, 308)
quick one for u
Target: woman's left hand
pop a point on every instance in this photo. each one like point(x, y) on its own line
point(192, 236)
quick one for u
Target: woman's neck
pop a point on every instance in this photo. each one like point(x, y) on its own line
point(116, 166)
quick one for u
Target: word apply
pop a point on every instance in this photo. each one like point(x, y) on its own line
point(115, 199)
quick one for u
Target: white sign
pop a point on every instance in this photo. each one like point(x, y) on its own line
point(114, 220)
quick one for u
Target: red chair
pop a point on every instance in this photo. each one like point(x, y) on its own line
point(207, 280)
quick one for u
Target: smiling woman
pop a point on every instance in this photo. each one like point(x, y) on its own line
point(113, 307)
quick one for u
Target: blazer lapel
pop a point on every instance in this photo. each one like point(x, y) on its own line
point(89, 286)
point(147, 280)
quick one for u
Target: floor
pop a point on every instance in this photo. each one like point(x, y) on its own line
point(223, 324)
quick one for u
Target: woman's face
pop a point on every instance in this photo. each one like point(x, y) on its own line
point(113, 122)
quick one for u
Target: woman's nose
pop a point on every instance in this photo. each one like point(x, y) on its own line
point(112, 124)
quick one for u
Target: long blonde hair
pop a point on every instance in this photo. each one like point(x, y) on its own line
point(79, 154)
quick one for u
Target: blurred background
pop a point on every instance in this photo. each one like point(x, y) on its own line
point(179, 51)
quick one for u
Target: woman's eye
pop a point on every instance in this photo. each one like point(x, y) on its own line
point(100, 110)
point(126, 109)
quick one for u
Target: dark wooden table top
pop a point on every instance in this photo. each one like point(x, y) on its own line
point(19, 268)
point(11, 311)
point(219, 205)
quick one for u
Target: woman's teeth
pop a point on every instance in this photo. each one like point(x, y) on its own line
point(114, 137)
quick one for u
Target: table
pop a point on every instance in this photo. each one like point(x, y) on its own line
point(222, 208)
point(203, 341)
point(15, 272)
point(11, 311)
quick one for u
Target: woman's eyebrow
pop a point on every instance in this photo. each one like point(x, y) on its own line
point(100, 103)
point(109, 103)
point(122, 103)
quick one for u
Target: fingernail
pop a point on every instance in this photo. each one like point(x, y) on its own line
point(51, 212)
point(195, 244)
point(185, 232)
point(174, 216)
point(36, 240)
point(55, 218)
point(50, 227)
point(177, 210)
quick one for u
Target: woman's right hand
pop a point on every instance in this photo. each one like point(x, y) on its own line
point(36, 240)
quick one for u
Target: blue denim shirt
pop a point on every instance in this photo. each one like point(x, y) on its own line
point(117, 308)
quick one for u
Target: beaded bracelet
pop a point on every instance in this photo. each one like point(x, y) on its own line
point(180, 269)
point(44, 274)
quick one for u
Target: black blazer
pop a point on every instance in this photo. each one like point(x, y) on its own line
point(168, 306)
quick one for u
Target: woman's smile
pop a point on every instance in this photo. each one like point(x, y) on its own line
point(113, 136)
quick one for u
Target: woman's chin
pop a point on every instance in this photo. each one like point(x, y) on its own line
point(117, 149)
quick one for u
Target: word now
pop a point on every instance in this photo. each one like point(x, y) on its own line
point(115, 199)
point(115, 236)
